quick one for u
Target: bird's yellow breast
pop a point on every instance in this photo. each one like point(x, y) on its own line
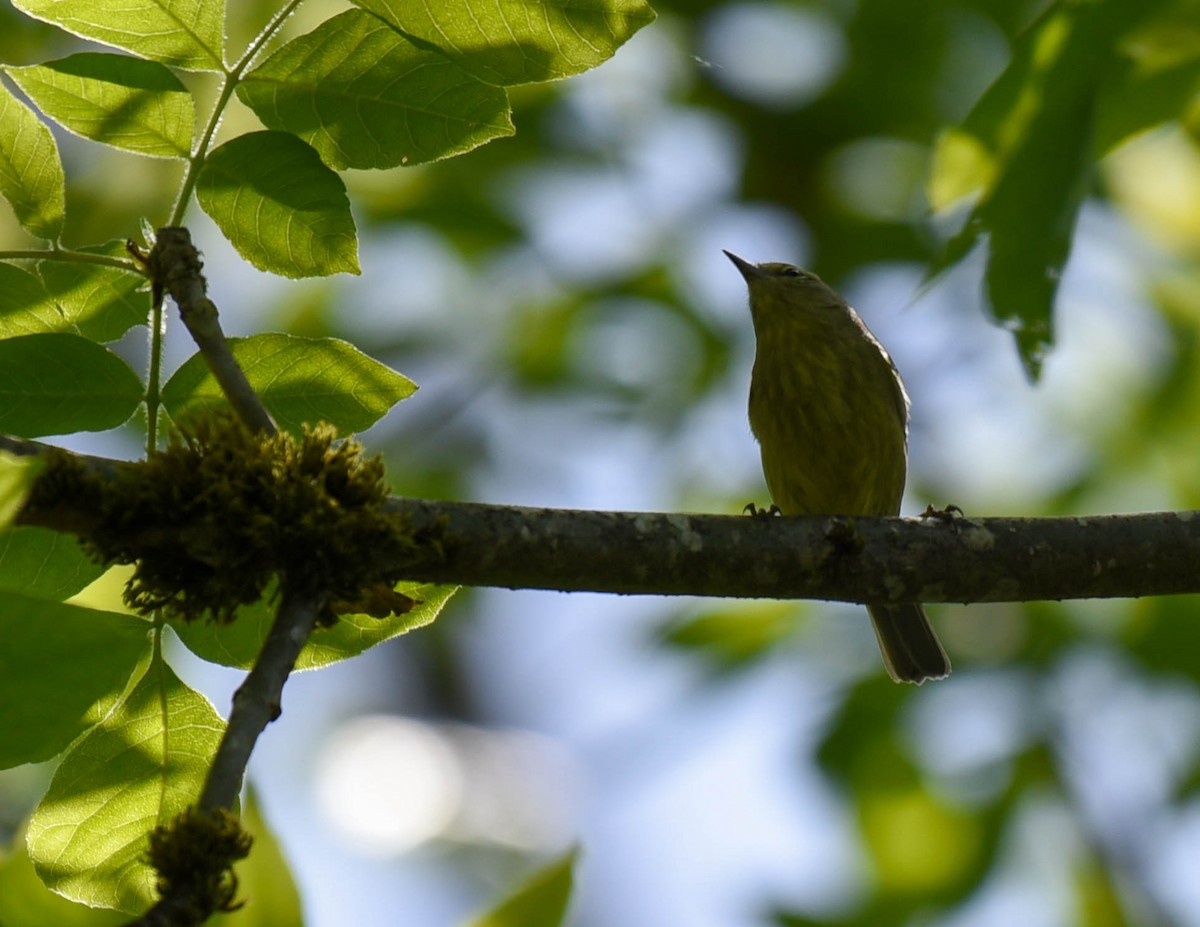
point(829, 413)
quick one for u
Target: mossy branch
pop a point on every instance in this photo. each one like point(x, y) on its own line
point(853, 560)
point(232, 497)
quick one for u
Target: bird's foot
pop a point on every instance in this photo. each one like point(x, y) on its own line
point(949, 513)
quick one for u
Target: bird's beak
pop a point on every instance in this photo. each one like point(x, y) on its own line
point(748, 271)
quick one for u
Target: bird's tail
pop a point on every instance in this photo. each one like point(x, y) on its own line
point(911, 651)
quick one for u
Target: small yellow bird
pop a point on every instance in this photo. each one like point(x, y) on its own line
point(830, 413)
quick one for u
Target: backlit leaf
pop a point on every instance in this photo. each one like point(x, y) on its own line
point(183, 33)
point(55, 384)
point(282, 209)
point(61, 668)
point(1029, 145)
point(540, 901)
point(125, 102)
point(31, 172)
point(141, 767)
point(364, 96)
point(237, 644)
point(518, 41)
point(299, 379)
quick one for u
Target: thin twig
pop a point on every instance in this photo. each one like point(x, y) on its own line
point(255, 705)
point(68, 256)
point(257, 701)
point(175, 265)
point(233, 76)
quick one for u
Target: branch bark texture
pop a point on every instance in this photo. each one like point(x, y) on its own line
point(258, 701)
point(175, 265)
point(853, 560)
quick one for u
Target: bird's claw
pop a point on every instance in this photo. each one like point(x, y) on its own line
point(949, 513)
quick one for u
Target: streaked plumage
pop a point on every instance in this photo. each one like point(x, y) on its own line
point(830, 413)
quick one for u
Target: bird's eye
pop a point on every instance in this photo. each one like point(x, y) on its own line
point(793, 272)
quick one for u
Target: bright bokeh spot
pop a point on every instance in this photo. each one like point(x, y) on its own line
point(772, 54)
point(1156, 178)
point(961, 166)
point(388, 784)
point(880, 178)
point(918, 844)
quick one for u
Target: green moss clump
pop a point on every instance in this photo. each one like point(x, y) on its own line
point(194, 856)
point(210, 520)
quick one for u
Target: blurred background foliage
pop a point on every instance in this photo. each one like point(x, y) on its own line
point(580, 341)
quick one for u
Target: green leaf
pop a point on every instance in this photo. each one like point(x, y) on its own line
point(365, 97)
point(136, 105)
point(1144, 97)
point(25, 306)
point(1164, 48)
point(61, 669)
point(99, 302)
point(862, 731)
point(518, 41)
point(31, 172)
point(43, 563)
point(354, 634)
point(283, 209)
point(58, 383)
point(1033, 136)
point(237, 644)
point(299, 379)
point(733, 638)
point(139, 767)
point(541, 901)
point(185, 34)
point(16, 477)
point(28, 903)
point(939, 866)
point(1158, 637)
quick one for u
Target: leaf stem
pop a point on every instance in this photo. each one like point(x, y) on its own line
point(232, 78)
point(195, 163)
point(158, 665)
point(72, 257)
point(158, 331)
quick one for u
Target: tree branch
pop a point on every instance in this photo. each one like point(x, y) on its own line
point(257, 701)
point(208, 884)
point(851, 560)
point(174, 265)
